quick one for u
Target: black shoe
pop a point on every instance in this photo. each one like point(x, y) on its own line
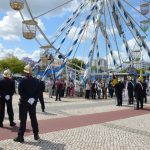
point(1, 125)
point(19, 139)
point(12, 124)
point(43, 110)
point(36, 137)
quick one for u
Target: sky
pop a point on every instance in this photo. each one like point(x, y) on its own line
point(13, 43)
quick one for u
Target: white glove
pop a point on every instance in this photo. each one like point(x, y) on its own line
point(7, 97)
point(31, 100)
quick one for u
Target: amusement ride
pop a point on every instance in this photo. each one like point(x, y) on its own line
point(97, 29)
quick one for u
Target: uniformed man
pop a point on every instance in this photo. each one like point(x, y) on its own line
point(139, 93)
point(7, 90)
point(42, 89)
point(28, 90)
point(119, 90)
point(130, 90)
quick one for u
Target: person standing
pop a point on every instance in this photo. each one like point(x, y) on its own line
point(42, 89)
point(104, 90)
point(7, 90)
point(93, 90)
point(72, 88)
point(88, 89)
point(29, 89)
point(130, 91)
point(139, 93)
point(99, 89)
point(58, 89)
point(119, 90)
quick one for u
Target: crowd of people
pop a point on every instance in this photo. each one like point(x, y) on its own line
point(30, 90)
point(135, 90)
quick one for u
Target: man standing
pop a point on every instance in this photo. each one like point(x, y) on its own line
point(7, 90)
point(130, 91)
point(139, 93)
point(119, 90)
point(58, 89)
point(29, 90)
point(42, 89)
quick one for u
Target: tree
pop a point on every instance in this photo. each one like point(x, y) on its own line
point(77, 62)
point(13, 63)
point(28, 60)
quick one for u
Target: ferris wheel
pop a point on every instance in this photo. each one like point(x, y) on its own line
point(97, 30)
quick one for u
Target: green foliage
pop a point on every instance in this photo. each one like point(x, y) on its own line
point(13, 63)
point(77, 62)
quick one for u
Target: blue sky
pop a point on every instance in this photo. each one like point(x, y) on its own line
point(12, 42)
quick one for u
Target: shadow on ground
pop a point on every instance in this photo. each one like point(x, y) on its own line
point(47, 145)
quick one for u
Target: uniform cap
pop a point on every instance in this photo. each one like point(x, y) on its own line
point(28, 69)
point(6, 73)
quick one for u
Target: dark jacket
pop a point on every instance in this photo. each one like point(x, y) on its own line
point(138, 89)
point(29, 87)
point(7, 87)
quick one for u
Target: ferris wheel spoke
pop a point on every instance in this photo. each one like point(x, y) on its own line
point(136, 9)
point(70, 21)
point(137, 33)
point(113, 31)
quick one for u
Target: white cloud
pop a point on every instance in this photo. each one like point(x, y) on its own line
point(10, 26)
point(19, 53)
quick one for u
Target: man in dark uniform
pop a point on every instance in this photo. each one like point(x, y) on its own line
point(28, 89)
point(119, 90)
point(130, 91)
point(7, 90)
point(139, 93)
point(42, 89)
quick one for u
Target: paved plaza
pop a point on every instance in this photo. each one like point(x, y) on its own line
point(80, 124)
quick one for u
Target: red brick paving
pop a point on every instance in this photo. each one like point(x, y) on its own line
point(57, 124)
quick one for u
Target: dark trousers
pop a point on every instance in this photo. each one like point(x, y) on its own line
point(24, 108)
point(119, 99)
point(68, 91)
point(63, 92)
point(58, 94)
point(87, 94)
point(41, 99)
point(130, 95)
point(139, 100)
point(145, 98)
point(93, 94)
point(9, 110)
